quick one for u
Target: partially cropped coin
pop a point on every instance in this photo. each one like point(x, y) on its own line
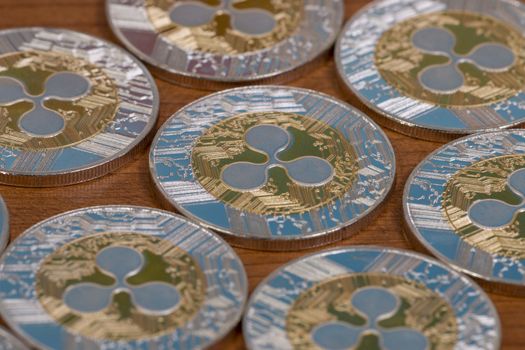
point(437, 69)
point(72, 107)
point(121, 277)
point(212, 44)
point(369, 298)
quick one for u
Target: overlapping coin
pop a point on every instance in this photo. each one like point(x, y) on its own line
point(369, 298)
point(72, 107)
point(465, 204)
point(121, 277)
point(273, 167)
point(212, 43)
point(9, 342)
point(4, 225)
point(437, 69)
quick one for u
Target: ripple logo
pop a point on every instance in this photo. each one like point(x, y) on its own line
point(375, 304)
point(493, 213)
point(121, 263)
point(41, 121)
point(247, 21)
point(271, 140)
point(447, 78)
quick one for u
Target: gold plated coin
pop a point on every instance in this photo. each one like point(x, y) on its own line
point(437, 70)
point(116, 276)
point(369, 298)
point(214, 44)
point(273, 167)
point(72, 107)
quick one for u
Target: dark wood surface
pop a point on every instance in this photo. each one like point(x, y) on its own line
point(130, 184)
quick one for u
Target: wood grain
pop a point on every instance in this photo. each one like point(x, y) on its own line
point(130, 184)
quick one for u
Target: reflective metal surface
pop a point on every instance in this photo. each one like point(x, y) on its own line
point(439, 69)
point(73, 107)
point(369, 297)
point(464, 204)
point(4, 225)
point(273, 167)
point(115, 276)
point(213, 44)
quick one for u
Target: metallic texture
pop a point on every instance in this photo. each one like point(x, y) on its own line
point(439, 69)
point(108, 277)
point(9, 342)
point(271, 141)
point(219, 43)
point(339, 312)
point(262, 162)
point(4, 225)
point(464, 204)
point(241, 162)
point(448, 78)
point(72, 107)
point(258, 25)
point(53, 100)
point(369, 297)
point(83, 282)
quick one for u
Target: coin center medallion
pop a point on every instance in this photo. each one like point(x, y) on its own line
point(52, 100)
point(484, 203)
point(371, 311)
point(225, 26)
point(274, 162)
point(126, 286)
point(453, 59)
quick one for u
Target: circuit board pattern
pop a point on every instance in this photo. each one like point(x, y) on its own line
point(486, 179)
point(302, 290)
point(75, 263)
point(316, 25)
point(224, 144)
point(84, 118)
point(172, 170)
point(27, 265)
point(121, 127)
point(359, 45)
point(218, 36)
point(330, 301)
point(442, 189)
point(400, 63)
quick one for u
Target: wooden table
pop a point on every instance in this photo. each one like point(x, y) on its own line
point(131, 185)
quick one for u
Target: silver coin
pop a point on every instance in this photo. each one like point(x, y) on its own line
point(73, 107)
point(212, 44)
point(4, 225)
point(119, 277)
point(9, 342)
point(464, 204)
point(367, 298)
point(437, 69)
point(273, 167)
